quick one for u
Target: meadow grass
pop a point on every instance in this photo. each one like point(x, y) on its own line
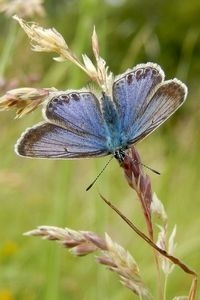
point(40, 192)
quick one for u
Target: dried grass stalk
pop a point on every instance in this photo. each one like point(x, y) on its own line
point(113, 256)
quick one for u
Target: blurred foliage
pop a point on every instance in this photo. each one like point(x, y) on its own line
point(37, 192)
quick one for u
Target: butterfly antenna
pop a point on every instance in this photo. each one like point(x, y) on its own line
point(93, 182)
point(147, 167)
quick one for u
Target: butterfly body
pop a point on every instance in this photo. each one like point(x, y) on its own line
point(79, 124)
point(114, 133)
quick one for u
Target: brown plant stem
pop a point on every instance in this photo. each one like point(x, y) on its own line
point(172, 258)
point(141, 183)
point(175, 260)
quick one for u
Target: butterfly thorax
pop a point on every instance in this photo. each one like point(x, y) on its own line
point(112, 125)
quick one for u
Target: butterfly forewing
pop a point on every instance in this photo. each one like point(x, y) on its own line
point(74, 129)
point(169, 96)
point(131, 92)
point(78, 112)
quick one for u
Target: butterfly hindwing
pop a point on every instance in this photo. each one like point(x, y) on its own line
point(47, 140)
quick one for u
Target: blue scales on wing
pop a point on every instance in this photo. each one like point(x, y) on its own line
point(144, 100)
point(74, 128)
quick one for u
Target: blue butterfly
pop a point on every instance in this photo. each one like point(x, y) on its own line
point(79, 125)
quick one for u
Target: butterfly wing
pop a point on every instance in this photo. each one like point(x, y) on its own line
point(144, 100)
point(132, 90)
point(74, 129)
point(79, 112)
point(169, 96)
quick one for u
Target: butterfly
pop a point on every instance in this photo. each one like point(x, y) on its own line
point(78, 124)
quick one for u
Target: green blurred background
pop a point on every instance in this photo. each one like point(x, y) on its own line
point(42, 192)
